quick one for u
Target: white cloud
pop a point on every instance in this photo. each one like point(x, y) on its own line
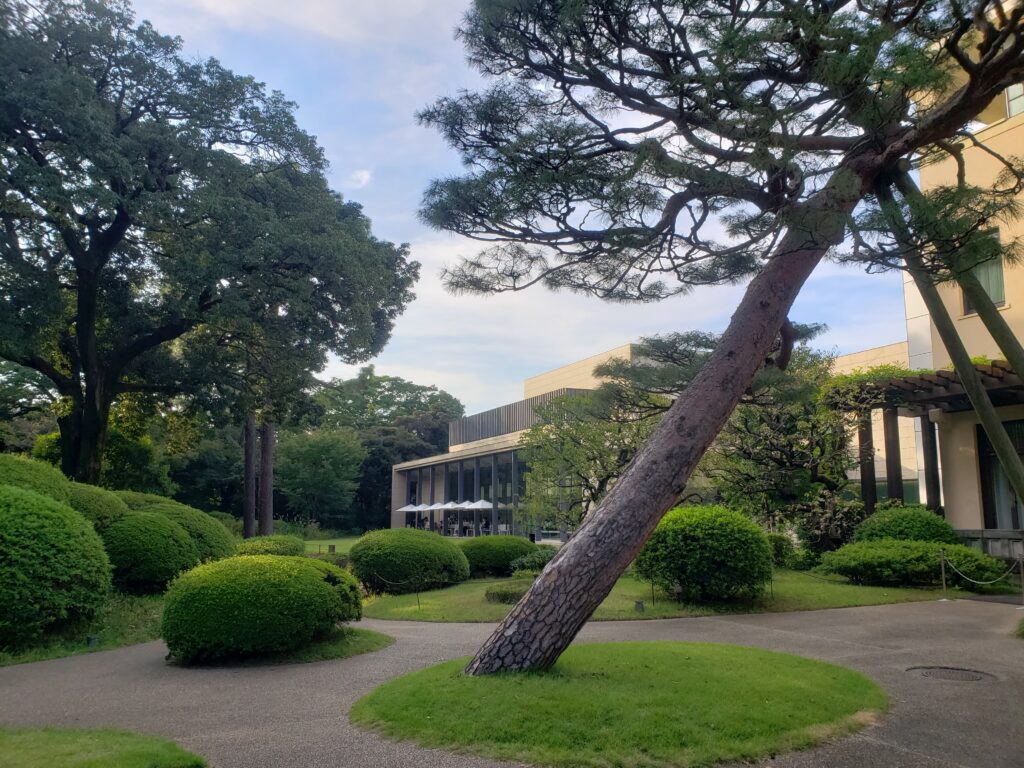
point(360, 178)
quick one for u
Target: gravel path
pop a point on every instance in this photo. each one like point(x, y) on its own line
point(294, 716)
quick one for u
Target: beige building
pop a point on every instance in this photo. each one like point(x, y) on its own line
point(944, 458)
point(474, 489)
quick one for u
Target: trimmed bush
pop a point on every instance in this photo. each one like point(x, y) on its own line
point(536, 560)
point(53, 570)
point(212, 540)
point(261, 604)
point(224, 518)
point(278, 544)
point(509, 592)
point(144, 502)
point(783, 551)
point(909, 563)
point(147, 550)
point(399, 560)
point(97, 505)
point(707, 553)
point(34, 475)
point(493, 555)
point(906, 524)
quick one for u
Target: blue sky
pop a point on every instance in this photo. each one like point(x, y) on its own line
point(359, 70)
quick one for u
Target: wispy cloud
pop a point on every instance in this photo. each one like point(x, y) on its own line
point(360, 178)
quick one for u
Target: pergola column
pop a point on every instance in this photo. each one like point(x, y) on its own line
point(514, 500)
point(893, 461)
point(476, 495)
point(866, 445)
point(494, 494)
point(930, 444)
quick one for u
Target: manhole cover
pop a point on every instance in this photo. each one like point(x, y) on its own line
point(952, 673)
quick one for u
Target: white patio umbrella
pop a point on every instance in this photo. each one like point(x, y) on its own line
point(407, 508)
point(482, 504)
point(436, 506)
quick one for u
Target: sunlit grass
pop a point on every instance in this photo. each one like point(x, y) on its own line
point(98, 748)
point(341, 545)
point(642, 705)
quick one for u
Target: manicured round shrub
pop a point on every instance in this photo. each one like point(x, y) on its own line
point(906, 524)
point(783, 551)
point(53, 570)
point(34, 475)
point(144, 502)
point(255, 605)
point(535, 561)
point(908, 563)
point(707, 553)
point(147, 550)
point(399, 560)
point(212, 540)
point(508, 592)
point(224, 518)
point(278, 544)
point(493, 555)
point(97, 505)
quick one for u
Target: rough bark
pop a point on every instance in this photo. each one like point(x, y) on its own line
point(249, 479)
point(266, 517)
point(543, 624)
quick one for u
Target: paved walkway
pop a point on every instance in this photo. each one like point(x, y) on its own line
point(294, 716)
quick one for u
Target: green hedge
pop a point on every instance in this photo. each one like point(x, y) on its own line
point(97, 505)
point(399, 560)
point(212, 540)
point(493, 555)
point(147, 550)
point(255, 605)
point(53, 570)
point(278, 544)
point(509, 592)
point(906, 524)
point(536, 560)
point(34, 475)
point(707, 553)
point(909, 563)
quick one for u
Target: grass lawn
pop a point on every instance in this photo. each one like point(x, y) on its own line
point(790, 591)
point(74, 748)
point(342, 544)
point(123, 620)
point(649, 705)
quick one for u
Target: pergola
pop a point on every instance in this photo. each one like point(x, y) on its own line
point(920, 396)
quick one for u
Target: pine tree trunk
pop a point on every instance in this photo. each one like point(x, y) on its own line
point(249, 478)
point(994, 321)
point(543, 624)
point(266, 517)
point(1004, 449)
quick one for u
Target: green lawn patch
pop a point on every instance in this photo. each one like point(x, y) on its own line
point(122, 620)
point(643, 705)
point(78, 748)
point(340, 644)
point(342, 545)
point(1020, 630)
point(790, 591)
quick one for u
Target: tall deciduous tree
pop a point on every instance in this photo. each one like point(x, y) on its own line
point(633, 149)
point(149, 202)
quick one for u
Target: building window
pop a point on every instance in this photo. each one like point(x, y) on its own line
point(990, 275)
point(1015, 99)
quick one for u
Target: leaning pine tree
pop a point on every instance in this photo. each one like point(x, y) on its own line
point(633, 149)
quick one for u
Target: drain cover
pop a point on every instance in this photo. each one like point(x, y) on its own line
point(952, 673)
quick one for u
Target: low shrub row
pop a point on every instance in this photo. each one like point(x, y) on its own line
point(535, 561)
point(277, 544)
point(896, 562)
point(509, 592)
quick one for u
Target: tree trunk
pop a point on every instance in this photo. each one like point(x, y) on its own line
point(994, 321)
point(266, 478)
point(1004, 449)
point(572, 586)
point(249, 478)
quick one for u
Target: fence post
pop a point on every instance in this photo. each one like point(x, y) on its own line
point(942, 566)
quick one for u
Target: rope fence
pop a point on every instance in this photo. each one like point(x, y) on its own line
point(1017, 566)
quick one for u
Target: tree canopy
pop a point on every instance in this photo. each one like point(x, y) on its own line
point(165, 219)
